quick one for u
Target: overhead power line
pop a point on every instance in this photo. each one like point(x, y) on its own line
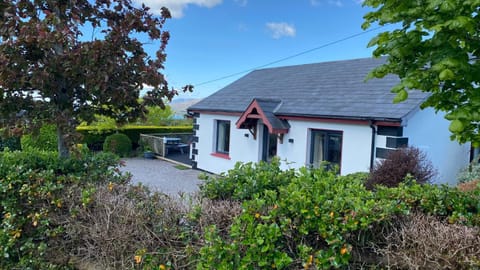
point(289, 57)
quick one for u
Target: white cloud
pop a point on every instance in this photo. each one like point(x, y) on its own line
point(242, 3)
point(282, 29)
point(338, 3)
point(176, 7)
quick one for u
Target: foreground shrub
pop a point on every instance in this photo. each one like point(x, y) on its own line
point(45, 139)
point(109, 224)
point(470, 173)
point(119, 144)
point(444, 202)
point(246, 180)
point(426, 242)
point(303, 224)
point(398, 164)
point(32, 185)
point(320, 220)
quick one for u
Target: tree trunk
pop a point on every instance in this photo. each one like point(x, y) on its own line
point(63, 151)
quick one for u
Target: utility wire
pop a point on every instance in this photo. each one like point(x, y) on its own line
point(289, 57)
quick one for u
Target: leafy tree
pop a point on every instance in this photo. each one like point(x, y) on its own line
point(62, 62)
point(436, 49)
point(158, 116)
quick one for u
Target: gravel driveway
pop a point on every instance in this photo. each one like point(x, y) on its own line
point(162, 175)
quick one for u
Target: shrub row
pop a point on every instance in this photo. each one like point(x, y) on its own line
point(32, 189)
point(320, 220)
point(95, 137)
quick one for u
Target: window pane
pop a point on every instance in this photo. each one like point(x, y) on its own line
point(317, 147)
point(223, 137)
point(334, 148)
point(325, 146)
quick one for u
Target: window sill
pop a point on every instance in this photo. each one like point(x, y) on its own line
point(221, 155)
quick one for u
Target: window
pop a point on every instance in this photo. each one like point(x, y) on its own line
point(325, 146)
point(222, 144)
point(269, 149)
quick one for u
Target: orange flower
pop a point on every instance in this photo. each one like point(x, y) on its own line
point(275, 206)
point(343, 250)
point(138, 259)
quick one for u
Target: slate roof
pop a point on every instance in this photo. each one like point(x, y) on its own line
point(328, 90)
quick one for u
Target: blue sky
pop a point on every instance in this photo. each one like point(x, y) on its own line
point(211, 39)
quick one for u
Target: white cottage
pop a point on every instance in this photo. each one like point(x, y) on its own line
point(311, 113)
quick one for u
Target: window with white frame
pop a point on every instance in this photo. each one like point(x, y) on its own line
point(222, 138)
point(325, 146)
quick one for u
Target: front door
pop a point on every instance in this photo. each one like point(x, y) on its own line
point(269, 145)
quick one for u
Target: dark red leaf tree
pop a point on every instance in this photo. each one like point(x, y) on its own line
point(64, 61)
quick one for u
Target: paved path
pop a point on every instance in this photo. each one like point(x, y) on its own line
point(162, 175)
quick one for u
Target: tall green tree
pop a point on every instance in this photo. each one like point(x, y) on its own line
point(435, 48)
point(64, 61)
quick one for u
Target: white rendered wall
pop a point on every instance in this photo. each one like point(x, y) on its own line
point(241, 148)
point(356, 145)
point(429, 132)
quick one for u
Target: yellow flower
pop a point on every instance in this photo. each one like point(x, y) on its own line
point(257, 215)
point(138, 259)
point(331, 214)
point(162, 267)
point(8, 215)
point(17, 233)
point(110, 186)
point(59, 204)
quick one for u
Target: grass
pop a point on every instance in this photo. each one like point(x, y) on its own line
point(181, 167)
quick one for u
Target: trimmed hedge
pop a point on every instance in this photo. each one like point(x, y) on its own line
point(94, 137)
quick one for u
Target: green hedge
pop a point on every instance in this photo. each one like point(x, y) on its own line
point(94, 136)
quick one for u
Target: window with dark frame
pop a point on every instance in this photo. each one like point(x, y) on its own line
point(222, 144)
point(325, 146)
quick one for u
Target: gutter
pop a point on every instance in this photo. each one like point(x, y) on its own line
point(372, 150)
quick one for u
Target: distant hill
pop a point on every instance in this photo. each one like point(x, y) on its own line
point(180, 105)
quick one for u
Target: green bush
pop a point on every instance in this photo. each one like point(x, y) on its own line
point(119, 144)
point(305, 223)
point(451, 204)
point(45, 140)
point(32, 189)
point(246, 180)
point(317, 219)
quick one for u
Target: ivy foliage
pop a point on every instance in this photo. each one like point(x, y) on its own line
point(435, 48)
